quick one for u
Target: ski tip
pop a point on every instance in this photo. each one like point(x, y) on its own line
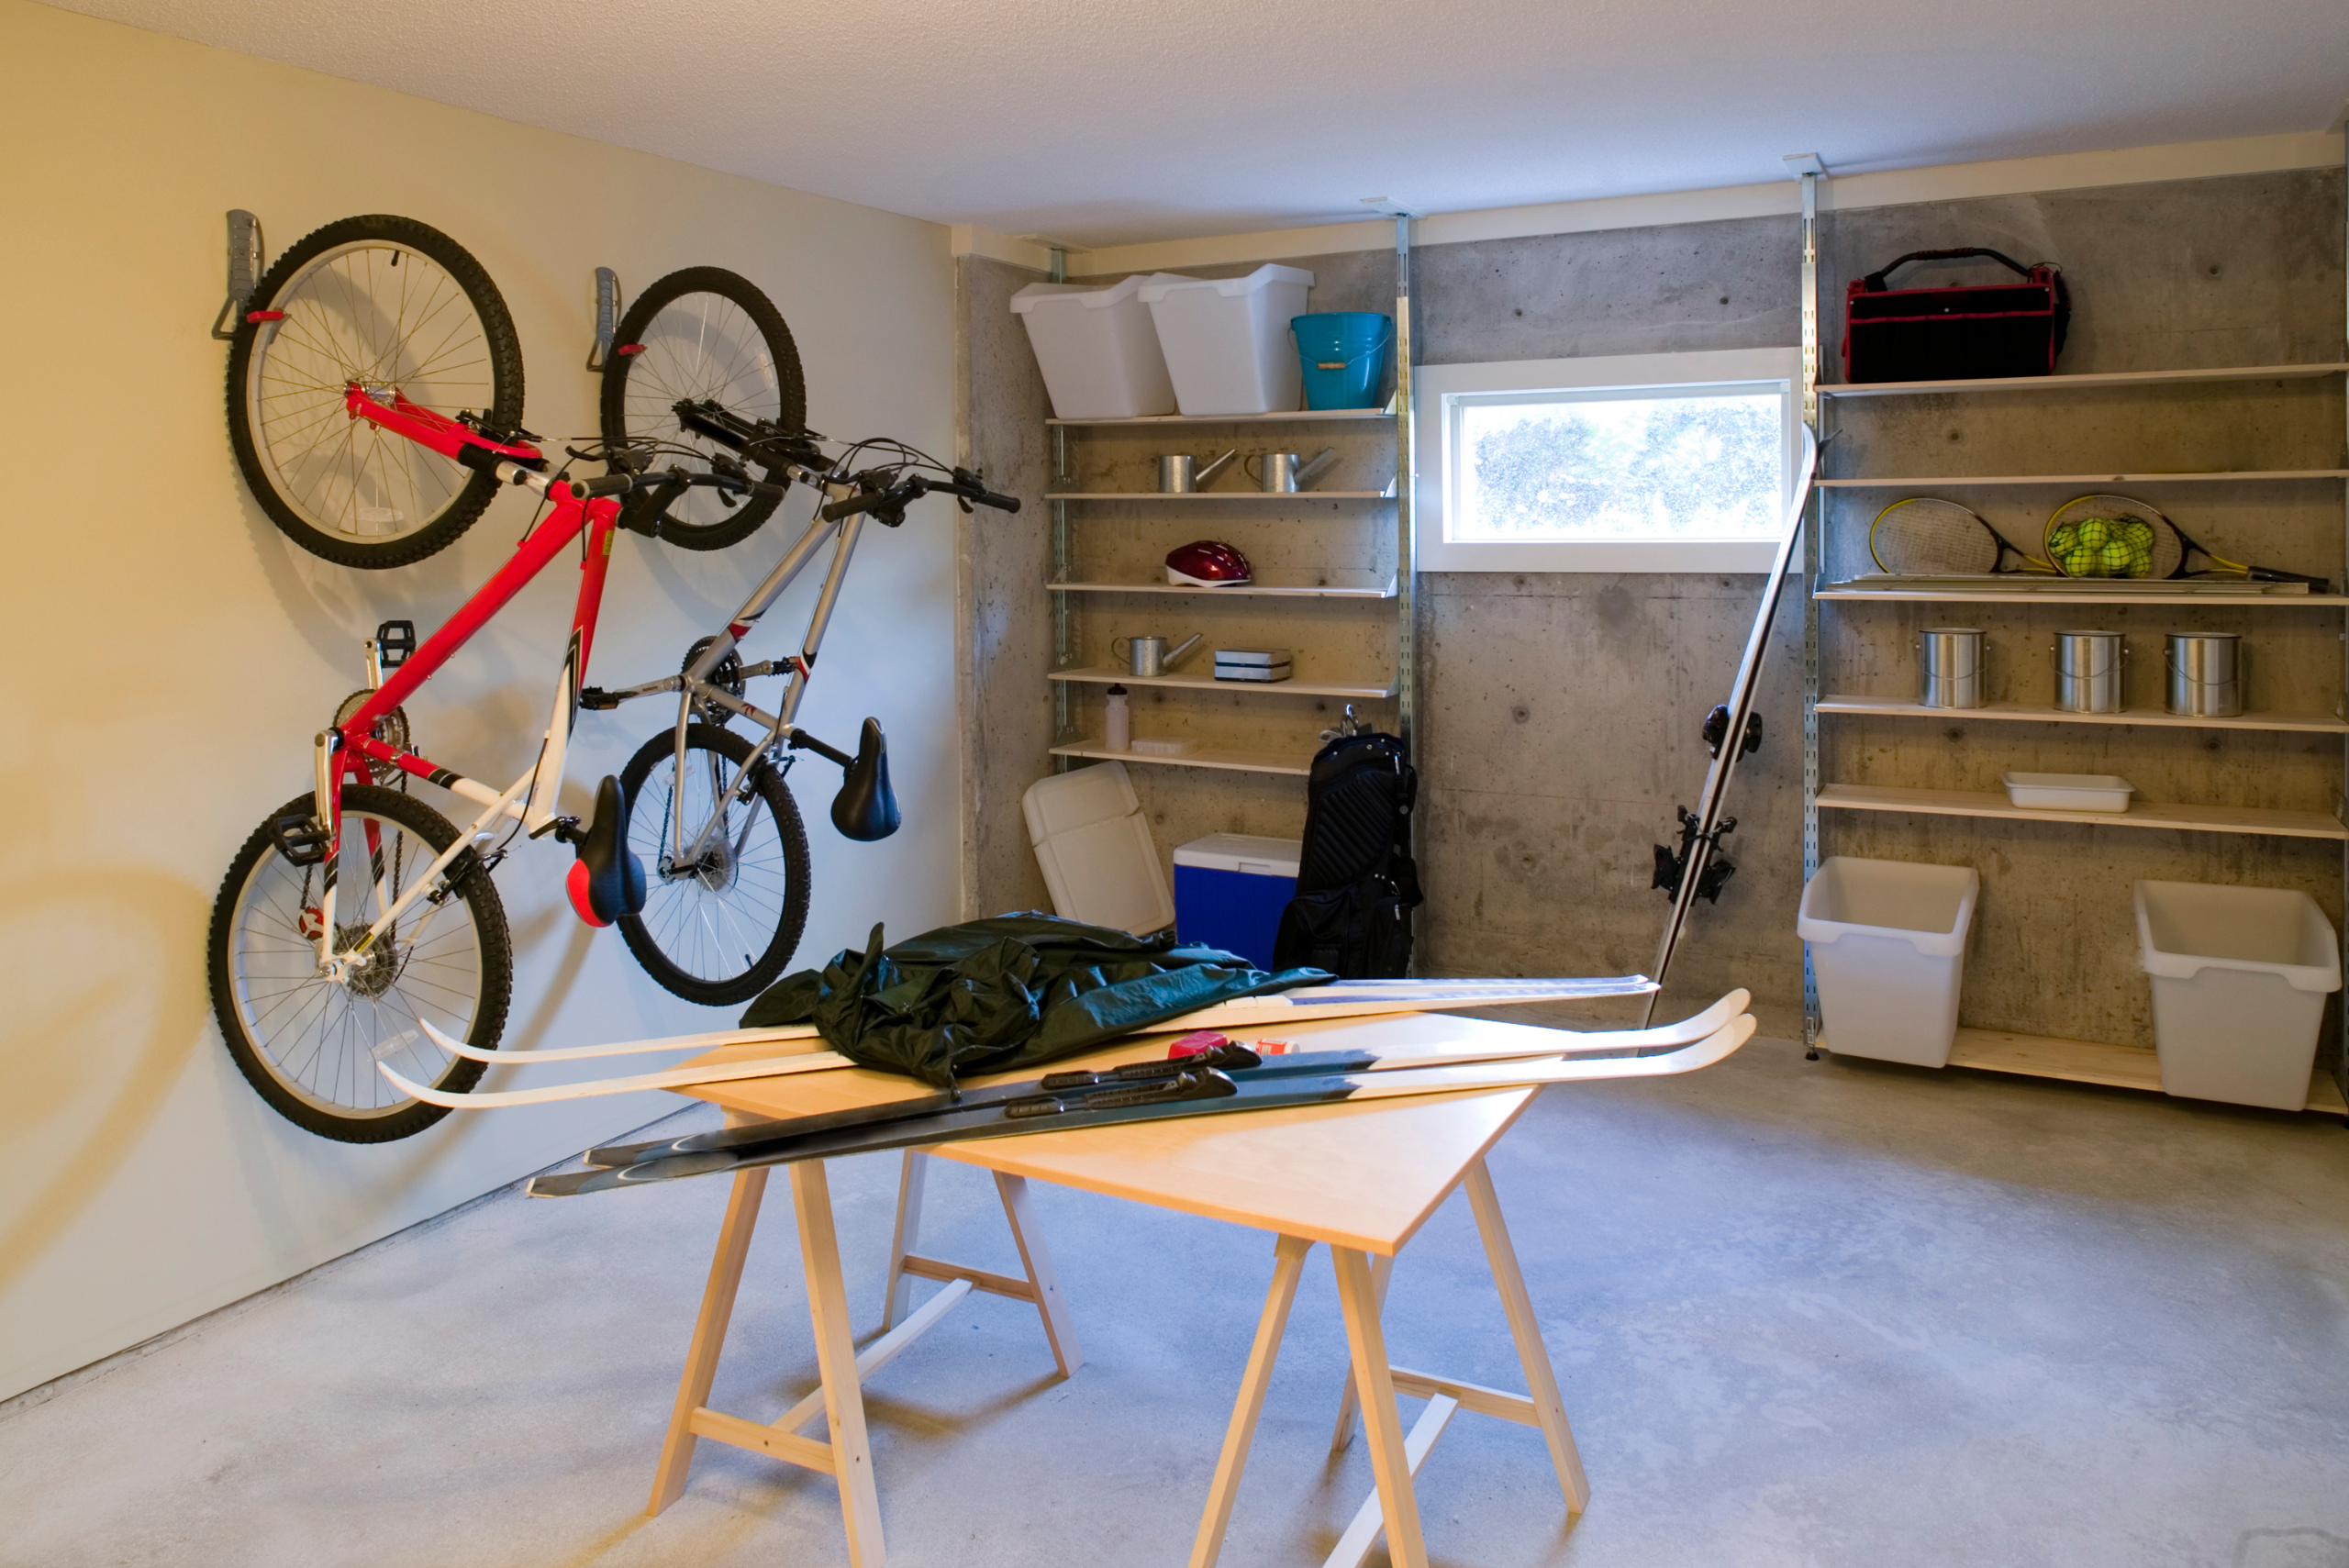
point(568, 1184)
point(415, 1091)
point(456, 1047)
point(611, 1156)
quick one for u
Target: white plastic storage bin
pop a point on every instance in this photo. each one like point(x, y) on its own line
point(1093, 846)
point(1231, 889)
point(1097, 349)
point(1226, 340)
point(2240, 979)
point(1888, 945)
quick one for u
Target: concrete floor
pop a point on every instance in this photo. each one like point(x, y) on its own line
point(1832, 1314)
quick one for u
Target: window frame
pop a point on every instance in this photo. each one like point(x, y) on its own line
point(1437, 391)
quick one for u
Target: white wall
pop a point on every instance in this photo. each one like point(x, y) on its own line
point(165, 654)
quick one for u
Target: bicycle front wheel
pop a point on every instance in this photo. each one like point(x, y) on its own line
point(720, 924)
point(704, 334)
point(309, 1043)
point(395, 307)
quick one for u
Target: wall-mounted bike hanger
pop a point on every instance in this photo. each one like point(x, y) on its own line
point(244, 268)
point(607, 315)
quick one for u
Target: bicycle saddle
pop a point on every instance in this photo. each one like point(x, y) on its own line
point(867, 807)
point(605, 880)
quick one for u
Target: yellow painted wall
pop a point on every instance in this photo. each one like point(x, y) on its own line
point(165, 653)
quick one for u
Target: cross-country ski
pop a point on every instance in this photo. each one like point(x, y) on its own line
point(1230, 1054)
point(1196, 1092)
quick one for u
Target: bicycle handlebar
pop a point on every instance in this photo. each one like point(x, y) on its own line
point(893, 498)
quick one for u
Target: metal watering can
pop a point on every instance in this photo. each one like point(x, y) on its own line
point(1181, 473)
point(1148, 656)
point(1280, 473)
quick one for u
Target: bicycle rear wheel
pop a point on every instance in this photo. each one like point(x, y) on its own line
point(703, 333)
point(309, 1044)
point(717, 930)
point(394, 305)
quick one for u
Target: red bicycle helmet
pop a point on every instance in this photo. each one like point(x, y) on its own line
point(1207, 563)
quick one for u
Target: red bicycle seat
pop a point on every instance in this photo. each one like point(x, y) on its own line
point(1207, 563)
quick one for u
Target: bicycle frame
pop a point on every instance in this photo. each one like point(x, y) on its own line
point(343, 753)
point(694, 685)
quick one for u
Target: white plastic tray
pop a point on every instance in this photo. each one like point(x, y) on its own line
point(2068, 792)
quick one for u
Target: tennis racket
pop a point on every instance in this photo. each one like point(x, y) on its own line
point(1926, 537)
point(2174, 548)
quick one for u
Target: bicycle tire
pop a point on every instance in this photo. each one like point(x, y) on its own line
point(287, 380)
point(677, 937)
point(703, 332)
point(247, 957)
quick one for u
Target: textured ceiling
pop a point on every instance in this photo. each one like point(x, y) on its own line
point(1096, 123)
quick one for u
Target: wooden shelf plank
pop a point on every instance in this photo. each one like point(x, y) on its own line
point(2087, 1061)
point(1107, 675)
point(2075, 596)
point(1204, 757)
point(1886, 708)
point(1290, 416)
point(2060, 383)
point(1251, 590)
point(2141, 814)
point(1290, 495)
point(1946, 484)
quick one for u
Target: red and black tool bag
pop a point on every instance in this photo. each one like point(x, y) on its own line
point(1950, 334)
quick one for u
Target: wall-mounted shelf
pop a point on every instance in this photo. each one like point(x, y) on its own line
point(1884, 708)
point(1230, 762)
point(2080, 597)
point(1293, 417)
point(1250, 590)
point(1105, 675)
point(2087, 1062)
point(1943, 484)
point(2141, 814)
point(1291, 497)
point(2061, 382)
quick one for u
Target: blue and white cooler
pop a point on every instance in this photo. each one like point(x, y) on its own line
point(1229, 889)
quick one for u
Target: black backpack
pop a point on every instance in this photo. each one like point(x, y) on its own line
point(1356, 882)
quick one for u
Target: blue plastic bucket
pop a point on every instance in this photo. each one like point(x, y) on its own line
point(1344, 356)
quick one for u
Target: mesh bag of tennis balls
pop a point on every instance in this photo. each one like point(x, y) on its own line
point(2103, 546)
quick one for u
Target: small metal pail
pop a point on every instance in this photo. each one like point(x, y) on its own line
point(2205, 673)
point(1949, 662)
point(2087, 671)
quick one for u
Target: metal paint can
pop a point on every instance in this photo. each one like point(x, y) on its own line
point(2087, 671)
point(2205, 673)
point(1949, 662)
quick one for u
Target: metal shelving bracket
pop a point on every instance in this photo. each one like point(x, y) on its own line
point(244, 272)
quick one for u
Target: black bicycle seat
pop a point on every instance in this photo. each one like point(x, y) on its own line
point(867, 807)
point(606, 882)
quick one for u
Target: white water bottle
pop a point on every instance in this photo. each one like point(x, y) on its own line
point(1117, 726)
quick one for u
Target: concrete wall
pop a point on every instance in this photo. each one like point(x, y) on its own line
point(169, 654)
point(1561, 710)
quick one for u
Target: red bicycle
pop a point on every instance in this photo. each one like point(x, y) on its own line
point(312, 986)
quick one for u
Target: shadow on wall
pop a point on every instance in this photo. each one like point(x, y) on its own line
point(84, 1077)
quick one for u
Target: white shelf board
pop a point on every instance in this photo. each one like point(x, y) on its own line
point(1204, 757)
point(2141, 814)
point(1107, 675)
point(1251, 590)
point(1886, 708)
point(1961, 481)
point(2060, 383)
point(1288, 495)
point(2087, 1062)
point(1291, 417)
point(2076, 597)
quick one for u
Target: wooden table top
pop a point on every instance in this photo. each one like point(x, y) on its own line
point(1365, 1175)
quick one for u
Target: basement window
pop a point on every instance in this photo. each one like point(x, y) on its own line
point(1648, 462)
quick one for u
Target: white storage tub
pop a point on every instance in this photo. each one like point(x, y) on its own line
point(1097, 349)
point(1226, 340)
point(2068, 792)
point(1888, 946)
point(2240, 979)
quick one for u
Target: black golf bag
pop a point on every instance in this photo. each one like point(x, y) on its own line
point(1356, 882)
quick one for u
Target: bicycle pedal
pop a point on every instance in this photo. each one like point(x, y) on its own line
point(597, 699)
point(394, 640)
point(301, 838)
